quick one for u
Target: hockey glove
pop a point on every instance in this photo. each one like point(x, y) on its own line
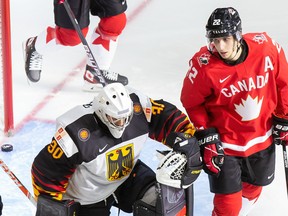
point(211, 150)
point(280, 131)
point(46, 206)
point(182, 166)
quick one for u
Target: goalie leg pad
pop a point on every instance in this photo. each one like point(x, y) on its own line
point(169, 202)
point(143, 209)
point(141, 178)
point(48, 207)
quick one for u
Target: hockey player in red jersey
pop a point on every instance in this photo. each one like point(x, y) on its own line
point(234, 89)
point(93, 158)
point(103, 43)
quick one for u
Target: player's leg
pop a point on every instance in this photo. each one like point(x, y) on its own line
point(227, 188)
point(255, 171)
point(250, 195)
point(143, 196)
point(104, 40)
point(53, 39)
point(161, 199)
point(258, 171)
point(140, 180)
point(101, 208)
point(227, 204)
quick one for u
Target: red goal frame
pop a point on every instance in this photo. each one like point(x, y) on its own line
point(6, 67)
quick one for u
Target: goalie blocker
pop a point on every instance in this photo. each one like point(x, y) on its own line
point(48, 207)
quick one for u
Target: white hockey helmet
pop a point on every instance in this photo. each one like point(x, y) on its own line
point(114, 107)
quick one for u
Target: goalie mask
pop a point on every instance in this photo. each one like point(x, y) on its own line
point(114, 107)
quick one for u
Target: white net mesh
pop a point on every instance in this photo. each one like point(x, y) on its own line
point(176, 165)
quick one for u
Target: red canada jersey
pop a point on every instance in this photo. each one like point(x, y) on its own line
point(238, 100)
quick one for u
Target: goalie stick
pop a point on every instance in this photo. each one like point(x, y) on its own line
point(189, 192)
point(89, 53)
point(18, 183)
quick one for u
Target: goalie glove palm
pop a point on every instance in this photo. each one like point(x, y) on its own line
point(171, 169)
point(211, 150)
point(182, 166)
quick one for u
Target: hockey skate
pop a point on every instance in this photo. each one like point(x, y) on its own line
point(33, 60)
point(92, 83)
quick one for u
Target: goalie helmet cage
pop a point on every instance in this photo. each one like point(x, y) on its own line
point(6, 103)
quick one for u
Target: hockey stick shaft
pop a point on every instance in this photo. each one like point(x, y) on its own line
point(18, 182)
point(89, 53)
point(189, 192)
point(285, 164)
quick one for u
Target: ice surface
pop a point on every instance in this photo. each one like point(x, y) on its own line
point(154, 49)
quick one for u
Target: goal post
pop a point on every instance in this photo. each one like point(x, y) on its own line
point(6, 103)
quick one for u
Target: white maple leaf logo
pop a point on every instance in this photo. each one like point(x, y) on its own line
point(249, 109)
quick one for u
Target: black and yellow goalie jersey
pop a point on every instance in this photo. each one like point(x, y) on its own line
point(86, 163)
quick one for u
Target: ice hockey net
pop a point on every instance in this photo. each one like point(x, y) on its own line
point(6, 99)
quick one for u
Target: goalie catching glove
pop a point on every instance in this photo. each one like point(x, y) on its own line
point(280, 131)
point(182, 166)
point(211, 150)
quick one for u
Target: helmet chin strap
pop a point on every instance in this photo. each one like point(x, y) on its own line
point(238, 48)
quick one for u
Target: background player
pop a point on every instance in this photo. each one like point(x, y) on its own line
point(103, 41)
point(233, 88)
